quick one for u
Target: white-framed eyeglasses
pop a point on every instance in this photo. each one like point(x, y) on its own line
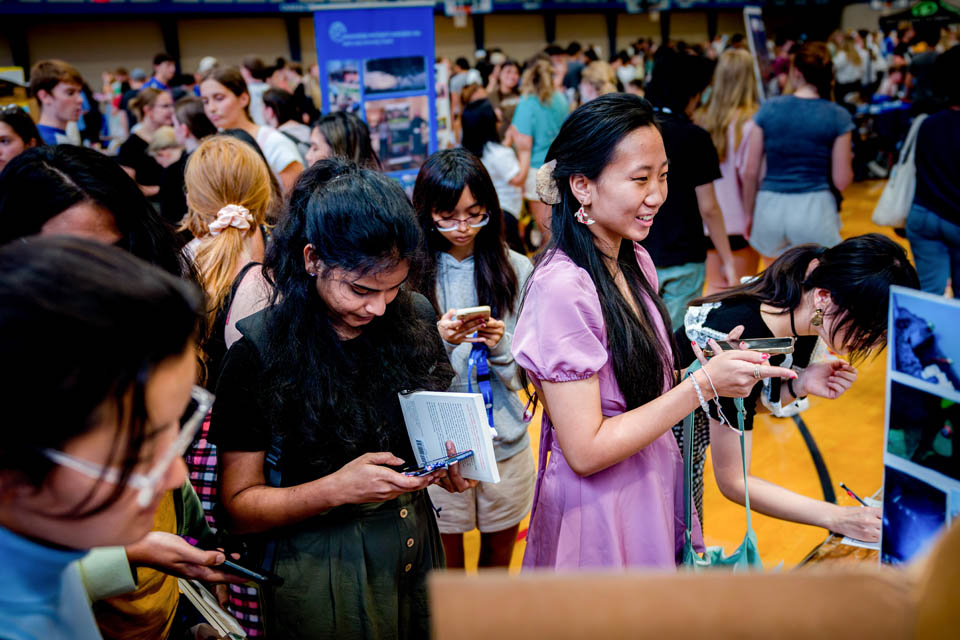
point(145, 483)
point(476, 221)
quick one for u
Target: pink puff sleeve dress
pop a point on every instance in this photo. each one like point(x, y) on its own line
point(629, 514)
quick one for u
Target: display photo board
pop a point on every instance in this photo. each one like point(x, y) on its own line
point(921, 476)
point(378, 63)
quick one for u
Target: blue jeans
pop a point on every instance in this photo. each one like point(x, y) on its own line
point(679, 285)
point(935, 244)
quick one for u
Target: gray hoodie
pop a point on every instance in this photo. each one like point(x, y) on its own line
point(455, 290)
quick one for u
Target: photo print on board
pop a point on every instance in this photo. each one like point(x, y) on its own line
point(400, 131)
point(923, 429)
point(394, 75)
point(914, 512)
point(343, 78)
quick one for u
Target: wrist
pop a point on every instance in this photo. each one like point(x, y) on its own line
point(797, 388)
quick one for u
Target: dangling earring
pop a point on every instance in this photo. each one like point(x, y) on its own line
point(817, 319)
point(582, 216)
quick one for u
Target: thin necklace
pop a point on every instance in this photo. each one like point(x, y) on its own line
point(793, 326)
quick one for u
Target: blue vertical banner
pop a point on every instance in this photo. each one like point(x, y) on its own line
point(377, 62)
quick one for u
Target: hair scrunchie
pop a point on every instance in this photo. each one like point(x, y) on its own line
point(546, 186)
point(232, 215)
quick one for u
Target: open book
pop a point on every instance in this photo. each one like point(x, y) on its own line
point(433, 417)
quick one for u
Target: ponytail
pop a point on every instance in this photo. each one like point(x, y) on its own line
point(223, 171)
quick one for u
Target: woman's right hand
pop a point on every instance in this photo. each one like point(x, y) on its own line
point(859, 523)
point(366, 479)
point(455, 331)
point(734, 373)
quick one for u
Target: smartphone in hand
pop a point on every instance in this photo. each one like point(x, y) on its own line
point(435, 465)
point(256, 575)
point(472, 313)
point(773, 346)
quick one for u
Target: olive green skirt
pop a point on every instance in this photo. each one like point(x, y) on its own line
point(358, 571)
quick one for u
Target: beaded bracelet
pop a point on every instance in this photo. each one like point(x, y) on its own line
point(716, 401)
point(696, 387)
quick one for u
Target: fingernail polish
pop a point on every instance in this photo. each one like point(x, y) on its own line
point(765, 356)
point(693, 343)
point(743, 345)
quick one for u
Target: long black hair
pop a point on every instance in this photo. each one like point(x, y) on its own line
point(585, 146)
point(857, 272)
point(43, 182)
point(82, 325)
point(440, 183)
point(359, 221)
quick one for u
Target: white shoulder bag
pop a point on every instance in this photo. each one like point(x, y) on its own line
point(897, 196)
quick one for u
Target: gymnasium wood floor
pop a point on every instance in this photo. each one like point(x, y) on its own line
point(848, 431)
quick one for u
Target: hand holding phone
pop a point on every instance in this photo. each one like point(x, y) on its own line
point(472, 313)
point(435, 465)
point(258, 575)
point(455, 330)
point(772, 346)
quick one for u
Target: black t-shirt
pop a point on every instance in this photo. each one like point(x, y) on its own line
point(938, 165)
point(240, 423)
point(173, 194)
point(133, 155)
point(676, 236)
point(722, 318)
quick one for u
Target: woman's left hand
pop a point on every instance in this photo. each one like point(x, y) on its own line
point(450, 478)
point(490, 333)
point(828, 379)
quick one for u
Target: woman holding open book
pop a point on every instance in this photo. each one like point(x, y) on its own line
point(314, 383)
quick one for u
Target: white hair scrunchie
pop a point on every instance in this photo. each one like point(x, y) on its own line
point(232, 215)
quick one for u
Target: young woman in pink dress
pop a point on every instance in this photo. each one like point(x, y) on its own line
point(593, 337)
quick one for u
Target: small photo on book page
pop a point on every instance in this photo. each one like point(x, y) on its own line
point(433, 417)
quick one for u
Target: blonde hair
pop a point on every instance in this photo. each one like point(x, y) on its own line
point(538, 80)
point(733, 99)
point(848, 46)
point(601, 76)
point(146, 98)
point(164, 138)
point(223, 171)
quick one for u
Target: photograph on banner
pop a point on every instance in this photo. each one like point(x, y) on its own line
point(925, 342)
point(914, 512)
point(393, 75)
point(400, 131)
point(922, 428)
point(445, 136)
point(757, 40)
point(343, 77)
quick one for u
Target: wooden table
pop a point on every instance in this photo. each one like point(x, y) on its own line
point(832, 552)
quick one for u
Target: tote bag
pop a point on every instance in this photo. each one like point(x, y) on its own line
point(746, 556)
point(897, 196)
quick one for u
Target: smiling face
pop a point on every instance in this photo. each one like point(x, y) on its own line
point(629, 191)
point(225, 110)
point(509, 77)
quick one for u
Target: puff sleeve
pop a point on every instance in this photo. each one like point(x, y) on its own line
point(560, 335)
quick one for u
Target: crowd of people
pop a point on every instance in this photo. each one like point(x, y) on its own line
point(216, 295)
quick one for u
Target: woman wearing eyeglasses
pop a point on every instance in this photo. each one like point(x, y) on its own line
point(104, 371)
point(469, 264)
